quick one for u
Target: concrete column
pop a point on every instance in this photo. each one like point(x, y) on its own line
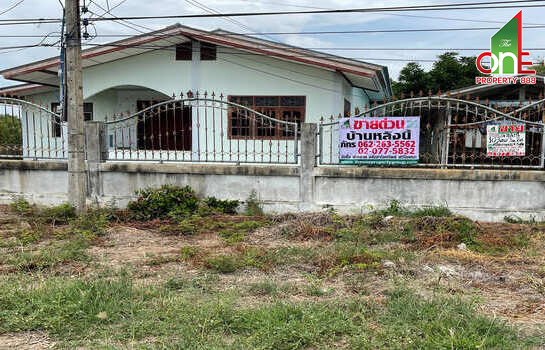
point(96, 152)
point(308, 162)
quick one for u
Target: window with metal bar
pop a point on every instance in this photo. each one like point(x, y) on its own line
point(244, 124)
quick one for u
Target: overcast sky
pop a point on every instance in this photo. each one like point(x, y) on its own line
point(533, 38)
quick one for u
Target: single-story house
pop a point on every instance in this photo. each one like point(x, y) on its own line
point(126, 76)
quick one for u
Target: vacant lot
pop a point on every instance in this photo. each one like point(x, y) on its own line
point(201, 278)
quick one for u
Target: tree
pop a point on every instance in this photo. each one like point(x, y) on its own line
point(540, 67)
point(450, 71)
point(411, 78)
point(11, 136)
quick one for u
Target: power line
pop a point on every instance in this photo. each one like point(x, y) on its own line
point(332, 32)
point(462, 6)
point(323, 48)
point(11, 7)
point(444, 7)
point(393, 14)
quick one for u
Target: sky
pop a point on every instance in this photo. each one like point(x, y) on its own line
point(404, 44)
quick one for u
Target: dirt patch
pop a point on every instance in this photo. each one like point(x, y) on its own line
point(25, 341)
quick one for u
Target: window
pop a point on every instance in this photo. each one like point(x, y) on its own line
point(287, 108)
point(347, 108)
point(184, 52)
point(208, 52)
point(87, 111)
point(56, 127)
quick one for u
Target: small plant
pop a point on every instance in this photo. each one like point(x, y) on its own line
point(436, 211)
point(60, 214)
point(90, 225)
point(223, 206)
point(21, 206)
point(223, 263)
point(188, 252)
point(176, 283)
point(518, 220)
point(394, 209)
point(168, 200)
point(254, 205)
point(232, 238)
point(263, 288)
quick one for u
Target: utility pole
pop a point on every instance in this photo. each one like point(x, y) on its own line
point(74, 95)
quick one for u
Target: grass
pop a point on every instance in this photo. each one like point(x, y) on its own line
point(102, 311)
point(311, 281)
point(51, 256)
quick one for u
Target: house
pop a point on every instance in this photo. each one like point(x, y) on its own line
point(510, 96)
point(127, 76)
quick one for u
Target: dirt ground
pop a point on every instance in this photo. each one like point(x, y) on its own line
point(510, 286)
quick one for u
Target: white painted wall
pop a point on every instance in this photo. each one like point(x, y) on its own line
point(112, 87)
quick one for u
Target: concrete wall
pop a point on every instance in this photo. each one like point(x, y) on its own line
point(486, 195)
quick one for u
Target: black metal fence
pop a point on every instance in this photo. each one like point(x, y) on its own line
point(453, 132)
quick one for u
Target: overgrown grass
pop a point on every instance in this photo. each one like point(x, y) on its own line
point(93, 312)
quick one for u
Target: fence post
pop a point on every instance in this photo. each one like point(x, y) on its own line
point(96, 152)
point(308, 162)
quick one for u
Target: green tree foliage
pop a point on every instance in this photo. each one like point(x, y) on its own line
point(540, 67)
point(10, 131)
point(450, 71)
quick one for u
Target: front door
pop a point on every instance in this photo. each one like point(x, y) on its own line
point(166, 127)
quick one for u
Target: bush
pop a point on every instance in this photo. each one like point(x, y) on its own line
point(60, 214)
point(168, 200)
point(224, 206)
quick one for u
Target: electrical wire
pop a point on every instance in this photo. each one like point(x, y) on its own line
point(330, 32)
point(445, 7)
point(11, 8)
point(393, 14)
point(145, 46)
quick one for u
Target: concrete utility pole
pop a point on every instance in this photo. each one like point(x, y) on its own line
point(74, 96)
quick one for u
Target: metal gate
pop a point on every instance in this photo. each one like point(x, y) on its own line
point(453, 132)
point(202, 129)
point(30, 131)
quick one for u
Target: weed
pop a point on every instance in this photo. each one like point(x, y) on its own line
point(223, 263)
point(518, 220)
point(189, 252)
point(90, 225)
point(51, 256)
point(21, 206)
point(60, 214)
point(249, 225)
point(176, 283)
point(266, 287)
point(254, 207)
point(232, 237)
point(435, 211)
point(168, 200)
point(223, 206)
point(395, 208)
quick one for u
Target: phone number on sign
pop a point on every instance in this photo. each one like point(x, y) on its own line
point(387, 144)
point(386, 150)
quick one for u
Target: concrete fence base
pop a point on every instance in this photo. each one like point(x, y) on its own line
point(487, 195)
